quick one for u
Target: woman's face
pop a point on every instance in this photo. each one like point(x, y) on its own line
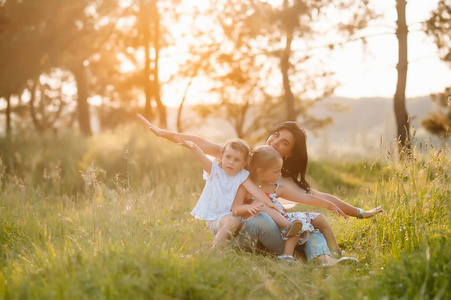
point(282, 141)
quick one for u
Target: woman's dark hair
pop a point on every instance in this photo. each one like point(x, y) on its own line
point(295, 166)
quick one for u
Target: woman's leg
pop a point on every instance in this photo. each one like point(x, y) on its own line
point(316, 246)
point(227, 226)
point(322, 224)
point(263, 229)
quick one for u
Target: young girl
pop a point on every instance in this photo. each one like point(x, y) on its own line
point(265, 170)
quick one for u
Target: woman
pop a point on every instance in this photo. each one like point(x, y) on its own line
point(289, 139)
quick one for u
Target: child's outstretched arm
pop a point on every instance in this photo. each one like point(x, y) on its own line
point(244, 210)
point(207, 147)
point(198, 153)
point(296, 196)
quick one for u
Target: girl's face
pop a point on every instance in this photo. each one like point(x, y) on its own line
point(282, 141)
point(232, 161)
point(271, 174)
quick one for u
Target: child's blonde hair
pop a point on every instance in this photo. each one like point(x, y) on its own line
point(238, 145)
point(263, 157)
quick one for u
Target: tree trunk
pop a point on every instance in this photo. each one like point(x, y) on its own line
point(8, 115)
point(83, 115)
point(145, 28)
point(156, 81)
point(34, 118)
point(285, 66)
point(402, 118)
point(179, 112)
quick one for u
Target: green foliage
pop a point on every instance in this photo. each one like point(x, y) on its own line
point(131, 236)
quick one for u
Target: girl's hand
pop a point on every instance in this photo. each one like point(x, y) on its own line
point(373, 212)
point(180, 141)
point(254, 208)
point(156, 130)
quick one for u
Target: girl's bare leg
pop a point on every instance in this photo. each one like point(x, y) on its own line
point(228, 225)
point(280, 220)
point(322, 224)
point(289, 245)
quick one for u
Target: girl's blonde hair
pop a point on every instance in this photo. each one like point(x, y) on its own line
point(263, 157)
point(238, 145)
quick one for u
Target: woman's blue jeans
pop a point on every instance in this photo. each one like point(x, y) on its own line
point(261, 232)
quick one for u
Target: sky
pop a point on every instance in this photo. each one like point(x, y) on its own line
point(376, 75)
point(365, 74)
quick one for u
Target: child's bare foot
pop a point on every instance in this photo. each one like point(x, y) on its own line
point(293, 228)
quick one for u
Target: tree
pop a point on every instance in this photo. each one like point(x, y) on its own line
point(402, 118)
point(148, 35)
point(438, 26)
point(258, 38)
point(439, 122)
point(21, 58)
point(52, 34)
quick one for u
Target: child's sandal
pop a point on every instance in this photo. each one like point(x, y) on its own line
point(294, 229)
point(288, 259)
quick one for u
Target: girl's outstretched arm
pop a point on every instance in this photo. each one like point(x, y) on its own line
point(297, 196)
point(347, 208)
point(201, 157)
point(207, 147)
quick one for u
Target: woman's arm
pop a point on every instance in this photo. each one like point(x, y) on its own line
point(201, 157)
point(297, 196)
point(207, 147)
point(244, 210)
point(347, 208)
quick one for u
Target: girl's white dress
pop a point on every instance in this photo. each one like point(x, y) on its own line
point(220, 190)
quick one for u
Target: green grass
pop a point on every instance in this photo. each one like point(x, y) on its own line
point(108, 217)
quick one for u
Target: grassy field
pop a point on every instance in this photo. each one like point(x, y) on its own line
point(108, 217)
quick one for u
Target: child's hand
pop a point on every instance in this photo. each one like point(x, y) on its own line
point(180, 141)
point(156, 130)
point(254, 208)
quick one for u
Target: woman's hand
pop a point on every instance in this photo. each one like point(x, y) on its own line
point(337, 210)
point(373, 212)
point(155, 129)
point(254, 208)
